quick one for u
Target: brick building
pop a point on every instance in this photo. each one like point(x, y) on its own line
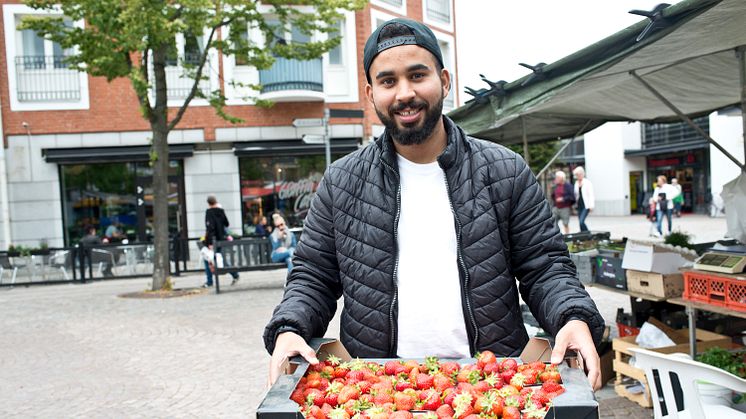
point(76, 147)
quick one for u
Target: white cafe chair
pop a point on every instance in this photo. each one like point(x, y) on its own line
point(688, 373)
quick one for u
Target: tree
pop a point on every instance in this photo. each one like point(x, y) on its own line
point(136, 39)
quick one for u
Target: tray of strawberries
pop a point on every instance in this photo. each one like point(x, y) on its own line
point(486, 386)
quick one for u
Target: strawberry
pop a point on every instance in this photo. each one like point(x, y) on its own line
point(552, 387)
point(314, 396)
point(298, 397)
point(482, 386)
point(509, 364)
point(403, 401)
point(515, 400)
point(403, 385)
point(448, 396)
point(518, 380)
point(472, 416)
point(332, 398)
point(462, 405)
point(484, 358)
point(355, 376)
point(423, 381)
point(468, 374)
point(539, 398)
point(376, 413)
point(348, 392)
point(382, 398)
point(441, 382)
point(511, 412)
point(444, 411)
point(493, 368)
point(550, 375)
point(535, 413)
point(507, 391)
point(507, 375)
point(401, 414)
point(326, 408)
point(364, 386)
point(393, 367)
point(450, 368)
point(340, 372)
point(339, 413)
point(531, 377)
point(432, 400)
point(410, 365)
point(314, 412)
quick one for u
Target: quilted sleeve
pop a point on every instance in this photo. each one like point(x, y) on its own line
point(313, 285)
point(548, 280)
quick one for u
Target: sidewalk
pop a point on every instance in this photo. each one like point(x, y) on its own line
point(81, 351)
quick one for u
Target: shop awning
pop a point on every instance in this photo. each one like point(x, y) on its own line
point(690, 56)
point(668, 148)
point(111, 154)
point(293, 147)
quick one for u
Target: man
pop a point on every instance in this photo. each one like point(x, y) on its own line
point(283, 242)
point(425, 231)
point(584, 196)
point(216, 223)
point(564, 197)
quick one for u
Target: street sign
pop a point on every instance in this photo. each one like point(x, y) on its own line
point(308, 122)
point(346, 113)
point(313, 139)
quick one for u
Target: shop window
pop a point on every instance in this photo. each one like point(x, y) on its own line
point(279, 184)
point(335, 55)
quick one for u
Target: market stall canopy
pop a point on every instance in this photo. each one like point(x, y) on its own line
point(689, 55)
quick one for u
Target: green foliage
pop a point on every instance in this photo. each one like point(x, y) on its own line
point(679, 238)
point(539, 153)
point(733, 362)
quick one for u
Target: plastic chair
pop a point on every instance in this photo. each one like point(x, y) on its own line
point(686, 372)
point(5, 263)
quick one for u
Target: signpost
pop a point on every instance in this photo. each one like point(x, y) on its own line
point(319, 122)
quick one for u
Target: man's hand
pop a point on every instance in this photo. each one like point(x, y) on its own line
point(288, 344)
point(575, 335)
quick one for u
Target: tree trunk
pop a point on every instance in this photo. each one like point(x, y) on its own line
point(159, 160)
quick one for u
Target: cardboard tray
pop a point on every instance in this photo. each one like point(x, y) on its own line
point(577, 402)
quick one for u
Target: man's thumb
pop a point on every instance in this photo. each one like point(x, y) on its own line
point(309, 355)
point(558, 353)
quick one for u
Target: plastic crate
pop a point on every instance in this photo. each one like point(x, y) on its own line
point(715, 289)
point(585, 262)
point(626, 330)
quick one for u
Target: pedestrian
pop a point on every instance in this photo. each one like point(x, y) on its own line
point(678, 201)
point(424, 233)
point(91, 241)
point(584, 196)
point(283, 242)
point(652, 217)
point(216, 224)
point(261, 226)
point(664, 194)
point(563, 198)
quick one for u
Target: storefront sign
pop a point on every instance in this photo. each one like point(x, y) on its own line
point(302, 190)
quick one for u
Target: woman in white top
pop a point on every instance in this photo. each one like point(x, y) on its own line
point(583, 196)
point(664, 195)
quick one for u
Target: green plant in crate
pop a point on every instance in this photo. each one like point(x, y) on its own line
point(679, 238)
point(732, 362)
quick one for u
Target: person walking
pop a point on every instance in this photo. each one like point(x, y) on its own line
point(563, 199)
point(429, 235)
point(216, 223)
point(664, 195)
point(583, 196)
point(678, 201)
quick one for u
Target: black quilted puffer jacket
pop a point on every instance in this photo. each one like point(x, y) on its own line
point(504, 229)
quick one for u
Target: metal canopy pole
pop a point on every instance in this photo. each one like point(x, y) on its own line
point(741, 55)
point(687, 119)
point(525, 141)
point(562, 149)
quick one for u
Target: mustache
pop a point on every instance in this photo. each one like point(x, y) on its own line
point(414, 103)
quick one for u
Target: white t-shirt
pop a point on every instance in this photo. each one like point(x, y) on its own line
point(431, 318)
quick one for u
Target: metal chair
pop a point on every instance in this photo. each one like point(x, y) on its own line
point(5, 263)
point(687, 373)
point(61, 259)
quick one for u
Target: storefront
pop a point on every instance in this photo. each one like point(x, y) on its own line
point(691, 169)
point(282, 176)
point(111, 189)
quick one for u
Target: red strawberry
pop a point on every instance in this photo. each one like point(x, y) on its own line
point(401, 414)
point(472, 416)
point(507, 375)
point(349, 392)
point(450, 368)
point(355, 376)
point(484, 358)
point(535, 413)
point(531, 377)
point(403, 401)
point(518, 380)
point(403, 385)
point(508, 364)
point(515, 400)
point(364, 386)
point(551, 387)
point(432, 400)
point(409, 365)
point(550, 375)
point(493, 368)
point(539, 398)
point(332, 398)
point(298, 397)
point(392, 367)
point(340, 372)
point(482, 386)
point(424, 381)
point(314, 412)
point(314, 396)
point(511, 412)
point(381, 399)
point(339, 413)
point(444, 411)
point(463, 405)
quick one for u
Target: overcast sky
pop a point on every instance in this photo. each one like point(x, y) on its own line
point(493, 36)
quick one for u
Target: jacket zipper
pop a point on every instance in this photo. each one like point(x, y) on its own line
point(465, 286)
point(392, 323)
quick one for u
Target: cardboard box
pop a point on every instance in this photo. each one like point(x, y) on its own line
point(655, 257)
point(578, 401)
point(655, 284)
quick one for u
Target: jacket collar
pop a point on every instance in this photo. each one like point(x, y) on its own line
point(455, 138)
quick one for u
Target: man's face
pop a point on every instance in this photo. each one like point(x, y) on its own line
point(407, 92)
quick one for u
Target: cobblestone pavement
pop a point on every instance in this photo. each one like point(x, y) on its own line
point(81, 351)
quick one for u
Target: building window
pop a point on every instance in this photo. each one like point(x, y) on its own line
point(40, 69)
point(335, 55)
point(182, 59)
point(439, 10)
point(397, 6)
point(239, 33)
point(279, 184)
point(103, 195)
point(656, 135)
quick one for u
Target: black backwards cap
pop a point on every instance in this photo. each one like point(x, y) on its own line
point(421, 36)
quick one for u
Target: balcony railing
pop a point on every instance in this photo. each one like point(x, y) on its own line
point(439, 10)
point(178, 83)
point(41, 78)
point(288, 74)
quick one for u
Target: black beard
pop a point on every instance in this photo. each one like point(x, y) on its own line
point(412, 135)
